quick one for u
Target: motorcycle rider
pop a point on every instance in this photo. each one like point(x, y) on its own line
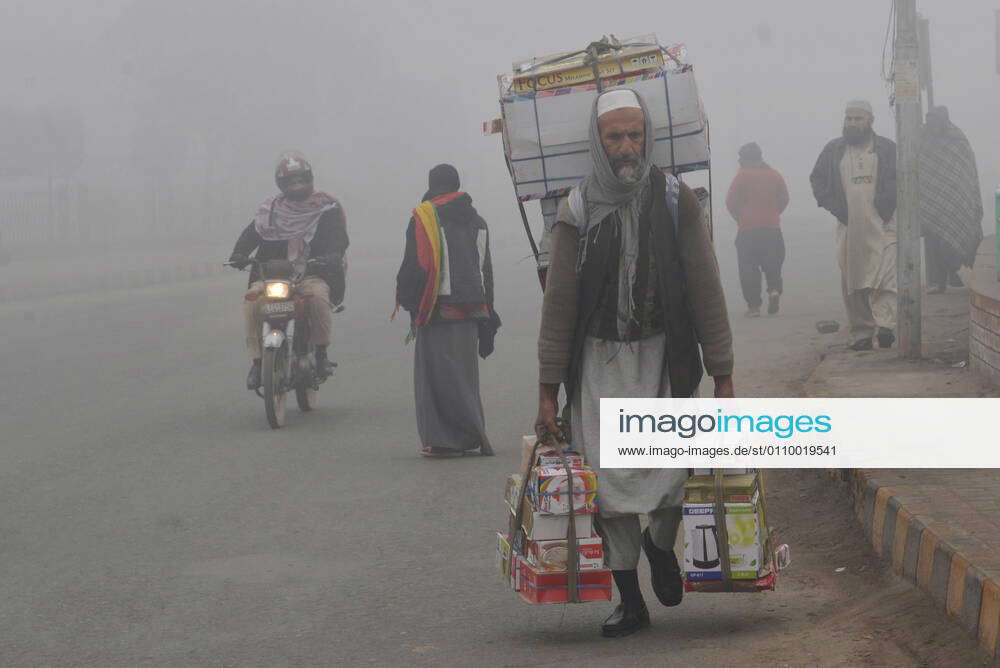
point(309, 228)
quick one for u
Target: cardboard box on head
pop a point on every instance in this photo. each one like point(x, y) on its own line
point(547, 133)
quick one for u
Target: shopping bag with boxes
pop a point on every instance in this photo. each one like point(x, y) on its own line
point(727, 544)
point(550, 552)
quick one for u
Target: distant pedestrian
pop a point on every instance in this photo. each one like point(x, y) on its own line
point(950, 205)
point(855, 180)
point(446, 283)
point(756, 199)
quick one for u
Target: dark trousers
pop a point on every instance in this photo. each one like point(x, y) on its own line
point(760, 250)
point(942, 262)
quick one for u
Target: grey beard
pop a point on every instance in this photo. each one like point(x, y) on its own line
point(629, 173)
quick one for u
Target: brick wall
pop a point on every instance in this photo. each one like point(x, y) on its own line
point(984, 314)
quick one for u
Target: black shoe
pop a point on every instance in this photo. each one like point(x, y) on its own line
point(253, 378)
point(773, 302)
point(885, 337)
point(626, 620)
point(324, 367)
point(861, 344)
point(666, 572)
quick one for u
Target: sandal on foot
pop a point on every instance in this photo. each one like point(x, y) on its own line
point(440, 453)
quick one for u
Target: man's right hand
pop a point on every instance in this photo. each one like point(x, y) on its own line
point(548, 408)
point(239, 260)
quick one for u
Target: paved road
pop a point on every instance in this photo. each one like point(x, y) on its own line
point(150, 517)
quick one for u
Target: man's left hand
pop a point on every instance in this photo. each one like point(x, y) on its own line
point(724, 387)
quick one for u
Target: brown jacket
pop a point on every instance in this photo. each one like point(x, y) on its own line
point(704, 292)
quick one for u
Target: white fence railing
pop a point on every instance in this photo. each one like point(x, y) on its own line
point(39, 211)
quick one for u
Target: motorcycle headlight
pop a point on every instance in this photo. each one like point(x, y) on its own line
point(277, 290)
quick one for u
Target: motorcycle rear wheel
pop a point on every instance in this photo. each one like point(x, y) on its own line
point(273, 373)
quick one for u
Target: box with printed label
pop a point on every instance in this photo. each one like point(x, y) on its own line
point(701, 547)
point(503, 555)
point(546, 130)
point(545, 455)
point(546, 587)
point(512, 489)
point(736, 488)
point(540, 526)
point(567, 69)
point(549, 490)
point(551, 555)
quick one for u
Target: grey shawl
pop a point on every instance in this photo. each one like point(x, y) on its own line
point(600, 194)
point(950, 205)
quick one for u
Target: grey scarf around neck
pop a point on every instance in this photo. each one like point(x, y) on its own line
point(601, 194)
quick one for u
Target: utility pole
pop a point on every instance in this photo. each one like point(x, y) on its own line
point(926, 70)
point(906, 89)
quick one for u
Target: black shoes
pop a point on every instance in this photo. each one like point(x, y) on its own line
point(627, 618)
point(861, 344)
point(773, 302)
point(324, 367)
point(667, 583)
point(253, 378)
point(885, 337)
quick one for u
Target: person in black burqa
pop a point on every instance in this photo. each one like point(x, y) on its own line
point(448, 292)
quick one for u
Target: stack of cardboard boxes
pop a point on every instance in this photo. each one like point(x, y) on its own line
point(746, 526)
point(546, 104)
point(532, 557)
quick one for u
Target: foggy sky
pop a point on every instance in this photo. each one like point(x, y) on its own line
point(375, 93)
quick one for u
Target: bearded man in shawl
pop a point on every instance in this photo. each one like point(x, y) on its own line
point(950, 206)
point(308, 228)
point(855, 180)
point(632, 293)
point(445, 282)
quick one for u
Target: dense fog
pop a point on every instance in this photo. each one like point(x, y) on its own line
point(165, 118)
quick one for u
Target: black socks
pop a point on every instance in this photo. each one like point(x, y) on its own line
point(628, 586)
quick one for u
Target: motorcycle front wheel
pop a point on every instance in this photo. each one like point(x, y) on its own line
point(273, 374)
point(306, 396)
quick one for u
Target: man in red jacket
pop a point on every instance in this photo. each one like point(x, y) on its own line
point(756, 199)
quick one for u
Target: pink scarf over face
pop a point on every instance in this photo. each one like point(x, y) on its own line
point(281, 219)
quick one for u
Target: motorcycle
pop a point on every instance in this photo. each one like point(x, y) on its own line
point(288, 362)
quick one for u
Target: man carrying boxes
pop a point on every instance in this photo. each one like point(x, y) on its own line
point(633, 303)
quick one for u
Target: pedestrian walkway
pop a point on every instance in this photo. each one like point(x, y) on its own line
point(940, 528)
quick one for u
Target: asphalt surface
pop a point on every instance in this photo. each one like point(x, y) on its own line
point(150, 517)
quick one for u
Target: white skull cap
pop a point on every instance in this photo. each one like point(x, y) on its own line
point(617, 99)
point(863, 105)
